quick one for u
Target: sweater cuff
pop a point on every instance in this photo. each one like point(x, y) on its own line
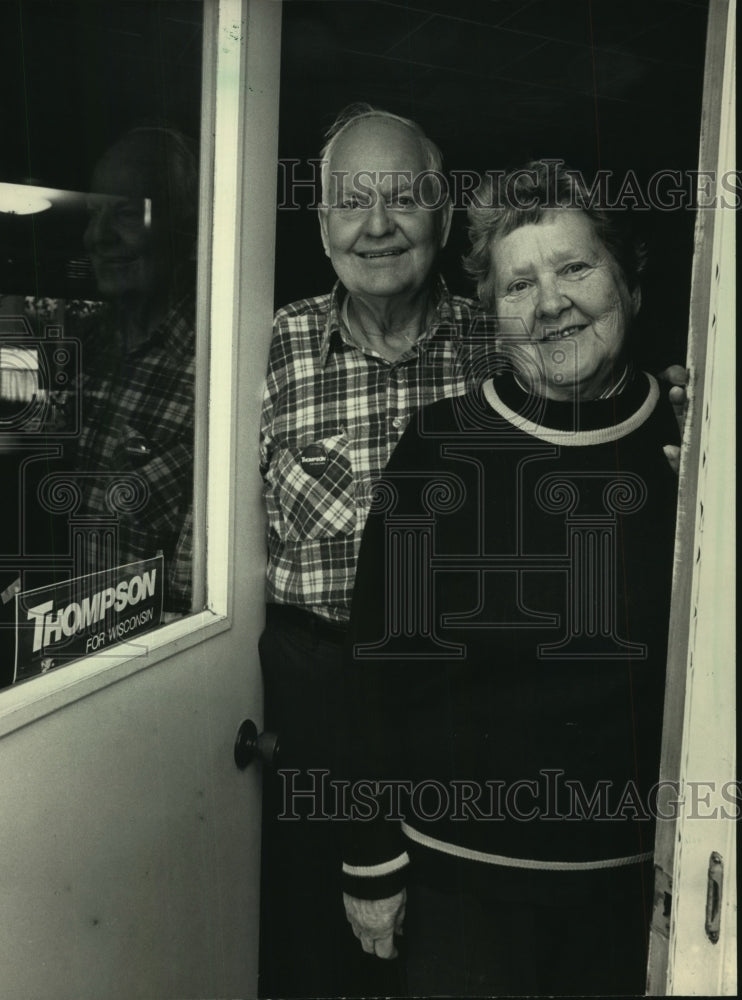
point(375, 881)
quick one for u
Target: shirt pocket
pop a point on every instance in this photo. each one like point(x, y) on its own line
point(318, 503)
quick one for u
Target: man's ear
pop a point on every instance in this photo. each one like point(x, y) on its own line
point(323, 213)
point(446, 217)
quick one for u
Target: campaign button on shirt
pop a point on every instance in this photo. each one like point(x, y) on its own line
point(313, 460)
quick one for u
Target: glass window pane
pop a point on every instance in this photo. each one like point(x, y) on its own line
point(99, 184)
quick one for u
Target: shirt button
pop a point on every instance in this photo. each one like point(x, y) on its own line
point(397, 422)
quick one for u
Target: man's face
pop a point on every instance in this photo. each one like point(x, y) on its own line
point(127, 237)
point(376, 230)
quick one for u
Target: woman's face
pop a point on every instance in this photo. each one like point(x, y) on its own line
point(563, 306)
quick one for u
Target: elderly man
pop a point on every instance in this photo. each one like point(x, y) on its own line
point(138, 365)
point(346, 372)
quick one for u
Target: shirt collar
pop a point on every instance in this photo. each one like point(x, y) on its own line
point(619, 385)
point(177, 331)
point(175, 335)
point(614, 389)
point(332, 335)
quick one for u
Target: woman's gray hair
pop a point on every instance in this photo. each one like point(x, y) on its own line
point(360, 111)
point(505, 201)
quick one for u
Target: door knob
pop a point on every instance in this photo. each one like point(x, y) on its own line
point(250, 743)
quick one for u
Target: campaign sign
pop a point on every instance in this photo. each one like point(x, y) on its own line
point(86, 614)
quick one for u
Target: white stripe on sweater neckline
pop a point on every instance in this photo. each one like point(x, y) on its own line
point(574, 438)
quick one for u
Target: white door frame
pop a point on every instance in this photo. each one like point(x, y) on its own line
point(698, 760)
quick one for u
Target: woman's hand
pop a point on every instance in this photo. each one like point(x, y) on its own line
point(677, 377)
point(376, 921)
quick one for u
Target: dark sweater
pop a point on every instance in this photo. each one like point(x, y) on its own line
point(514, 680)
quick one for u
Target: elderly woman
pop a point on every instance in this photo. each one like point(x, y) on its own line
point(509, 628)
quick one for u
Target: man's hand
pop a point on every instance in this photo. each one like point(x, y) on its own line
point(677, 376)
point(376, 921)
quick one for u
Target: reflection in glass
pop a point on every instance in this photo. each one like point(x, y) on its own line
point(97, 322)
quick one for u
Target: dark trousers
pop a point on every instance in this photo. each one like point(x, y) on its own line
point(307, 948)
point(555, 938)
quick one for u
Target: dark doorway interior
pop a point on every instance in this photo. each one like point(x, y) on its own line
point(81, 73)
point(612, 86)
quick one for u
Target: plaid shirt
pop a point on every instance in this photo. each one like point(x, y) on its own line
point(137, 420)
point(332, 415)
